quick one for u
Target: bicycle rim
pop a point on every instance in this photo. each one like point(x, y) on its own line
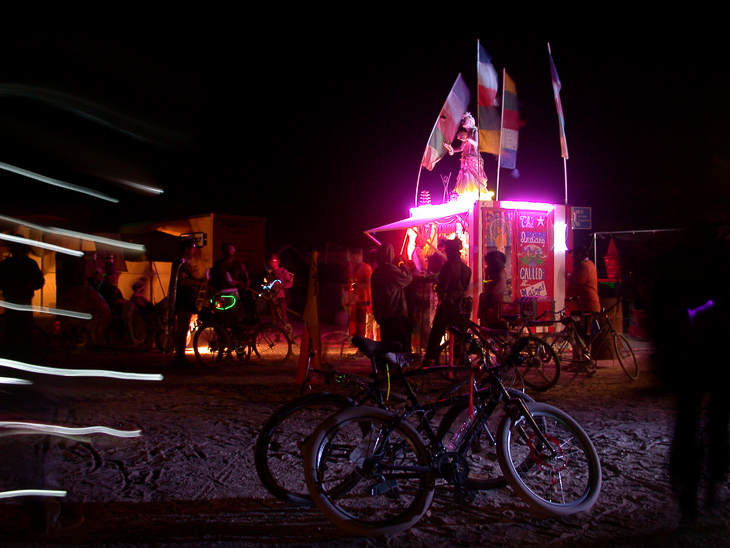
point(538, 365)
point(561, 478)
point(271, 344)
point(366, 476)
point(626, 356)
point(278, 451)
point(211, 346)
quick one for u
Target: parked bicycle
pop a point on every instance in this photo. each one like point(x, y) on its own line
point(576, 353)
point(226, 334)
point(278, 450)
point(371, 472)
point(537, 365)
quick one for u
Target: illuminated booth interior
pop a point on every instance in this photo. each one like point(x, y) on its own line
point(533, 236)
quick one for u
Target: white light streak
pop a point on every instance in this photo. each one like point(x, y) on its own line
point(44, 310)
point(63, 372)
point(36, 428)
point(139, 186)
point(56, 182)
point(72, 234)
point(44, 245)
point(96, 239)
point(31, 493)
point(11, 380)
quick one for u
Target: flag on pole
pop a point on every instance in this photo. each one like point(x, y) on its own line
point(447, 124)
point(558, 105)
point(510, 124)
point(487, 100)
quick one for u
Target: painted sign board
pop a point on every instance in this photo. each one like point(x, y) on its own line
point(580, 218)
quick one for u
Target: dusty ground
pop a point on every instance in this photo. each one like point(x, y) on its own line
point(190, 480)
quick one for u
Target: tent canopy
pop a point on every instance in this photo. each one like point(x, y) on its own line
point(412, 222)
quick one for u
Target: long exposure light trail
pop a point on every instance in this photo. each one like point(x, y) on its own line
point(32, 493)
point(56, 182)
point(44, 245)
point(139, 186)
point(11, 380)
point(127, 125)
point(64, 372)
point(45, 310)
point(37, 428)
point(72, 234)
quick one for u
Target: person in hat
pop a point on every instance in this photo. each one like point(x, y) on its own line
point(453, 281)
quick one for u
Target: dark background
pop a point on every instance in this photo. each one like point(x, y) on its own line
point(317, 119)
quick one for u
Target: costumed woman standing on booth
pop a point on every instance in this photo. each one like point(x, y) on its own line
point(471, 177)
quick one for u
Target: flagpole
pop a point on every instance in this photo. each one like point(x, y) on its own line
point(561, 122)
point(501, 130)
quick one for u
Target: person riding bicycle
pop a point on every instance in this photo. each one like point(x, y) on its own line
point(230, 275)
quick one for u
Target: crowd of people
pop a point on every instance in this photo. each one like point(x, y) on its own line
point(393, 298)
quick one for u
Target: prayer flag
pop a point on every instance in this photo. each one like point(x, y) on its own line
point(510, 124)
point(447, 123)
point(558, 105)
point(487, 100)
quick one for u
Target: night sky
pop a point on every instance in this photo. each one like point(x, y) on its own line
point(318, 122)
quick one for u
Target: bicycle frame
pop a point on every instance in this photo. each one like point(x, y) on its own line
point(493, 393)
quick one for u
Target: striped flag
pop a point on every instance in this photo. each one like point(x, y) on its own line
point(487, 99)
point(510, 124)
point(448, 123)
point(558, 105)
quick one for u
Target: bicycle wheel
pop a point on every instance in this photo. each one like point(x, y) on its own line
point(561, 478)
point(481, 455)
point(538, 366)
point(368, 475)
point(278, 451)
point(271, 344)
point(211, 345)
point(626, 356)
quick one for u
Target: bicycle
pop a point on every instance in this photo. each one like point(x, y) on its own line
point(574, 351)
point(371, 472)
point(223, 335)
point(277, 453)
point(537, 366)
point(268, 294)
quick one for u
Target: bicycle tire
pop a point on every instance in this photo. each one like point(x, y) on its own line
point(271, 345)
point(211, 345)
point(565, 483)
point(368, 475)
point(278, 451)
point(626, 356)
point(538, 365)
point(481, 455)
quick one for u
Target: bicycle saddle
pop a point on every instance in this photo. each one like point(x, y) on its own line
point(375, 349)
